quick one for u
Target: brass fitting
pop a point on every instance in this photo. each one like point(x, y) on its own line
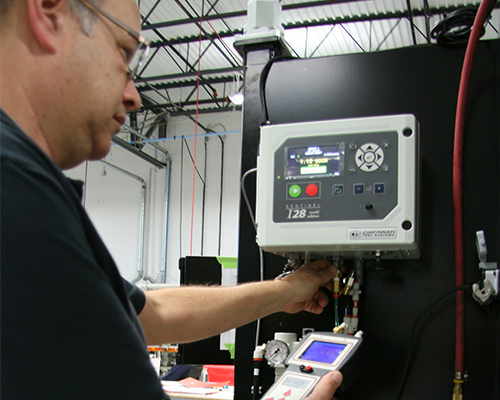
point(348, 284)
point(340, 328)
point(457, 390)
point(336, 283)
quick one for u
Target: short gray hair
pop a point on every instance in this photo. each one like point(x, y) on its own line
point(84, 14)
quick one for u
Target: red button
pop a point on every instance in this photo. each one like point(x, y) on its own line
point(312, 190)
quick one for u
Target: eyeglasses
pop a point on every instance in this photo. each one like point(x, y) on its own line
point(140, 52)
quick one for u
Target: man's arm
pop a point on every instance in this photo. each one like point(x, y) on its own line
point(191, 313)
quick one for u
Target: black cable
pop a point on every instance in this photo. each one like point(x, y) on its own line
point(412, 24)
point(262, 84)
point(245, 196)
point(180, 198)
point(457, 26)
point(204, 198)
point(221, 191)
point(192, 161)
point(414, 327)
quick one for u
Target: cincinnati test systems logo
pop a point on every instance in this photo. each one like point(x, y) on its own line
point(360, 234)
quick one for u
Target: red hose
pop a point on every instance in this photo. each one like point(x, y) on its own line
point(457, 183)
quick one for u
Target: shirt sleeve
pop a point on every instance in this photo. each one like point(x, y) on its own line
point(135, 295)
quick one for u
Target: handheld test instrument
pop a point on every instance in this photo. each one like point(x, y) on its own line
point(317, 354)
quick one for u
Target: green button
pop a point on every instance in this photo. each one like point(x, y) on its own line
point(294, 191)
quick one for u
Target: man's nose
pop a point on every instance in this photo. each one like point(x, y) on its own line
point(131, 97)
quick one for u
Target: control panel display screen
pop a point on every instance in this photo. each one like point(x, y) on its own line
point(321, 160)
point(323, 352)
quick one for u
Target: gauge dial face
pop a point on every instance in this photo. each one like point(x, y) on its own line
point(276, 352)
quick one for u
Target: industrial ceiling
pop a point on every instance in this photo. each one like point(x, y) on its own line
point(192, 64)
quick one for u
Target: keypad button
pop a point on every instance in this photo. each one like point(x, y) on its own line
point(312, 190)
point(359, 188)
point(379, 188)
point(338, 190)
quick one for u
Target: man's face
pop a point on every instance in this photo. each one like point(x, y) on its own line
point(98, 92)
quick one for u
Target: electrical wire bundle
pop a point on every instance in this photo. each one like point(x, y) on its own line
point(457, 26)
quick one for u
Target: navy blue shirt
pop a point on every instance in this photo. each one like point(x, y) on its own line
point(69, 330)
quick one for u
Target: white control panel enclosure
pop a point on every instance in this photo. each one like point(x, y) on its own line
point(346, 187)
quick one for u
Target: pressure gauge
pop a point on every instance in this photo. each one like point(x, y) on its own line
point(276, 352)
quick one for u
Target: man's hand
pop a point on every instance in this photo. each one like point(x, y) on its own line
point(326, 387)
point(304, 287)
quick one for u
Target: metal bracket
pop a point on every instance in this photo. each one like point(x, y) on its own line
point(486, 291)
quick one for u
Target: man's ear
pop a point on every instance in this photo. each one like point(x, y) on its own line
point(45, 18)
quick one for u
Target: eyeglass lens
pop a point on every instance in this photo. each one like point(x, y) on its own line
point(137, 60)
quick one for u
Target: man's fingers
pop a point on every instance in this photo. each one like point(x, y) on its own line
point(326, 387)
point(319, 265)
point(323, 270)
point(326, 275)
point(329, 285)
point(317, 303)
point(321, 299)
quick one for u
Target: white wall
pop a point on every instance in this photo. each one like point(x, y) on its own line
point(180, 243)
point(113, 199)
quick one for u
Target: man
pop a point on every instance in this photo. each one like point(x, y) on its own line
point(69, 323)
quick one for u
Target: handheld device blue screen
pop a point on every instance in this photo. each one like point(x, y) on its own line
point(323, 352)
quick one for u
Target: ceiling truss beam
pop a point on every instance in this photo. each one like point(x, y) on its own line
point(206, 83)
point(326, 21)
point(186, 83)
point(188, 74)
point(240, 13)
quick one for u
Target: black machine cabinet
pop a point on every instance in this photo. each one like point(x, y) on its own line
point(422, 81)
point(202, 271)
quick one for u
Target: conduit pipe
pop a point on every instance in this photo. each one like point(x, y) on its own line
point(168, 172)
point(146, 139)
point(155, 286)
point(166, 212)
point(188, 136)
point(140, 264)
